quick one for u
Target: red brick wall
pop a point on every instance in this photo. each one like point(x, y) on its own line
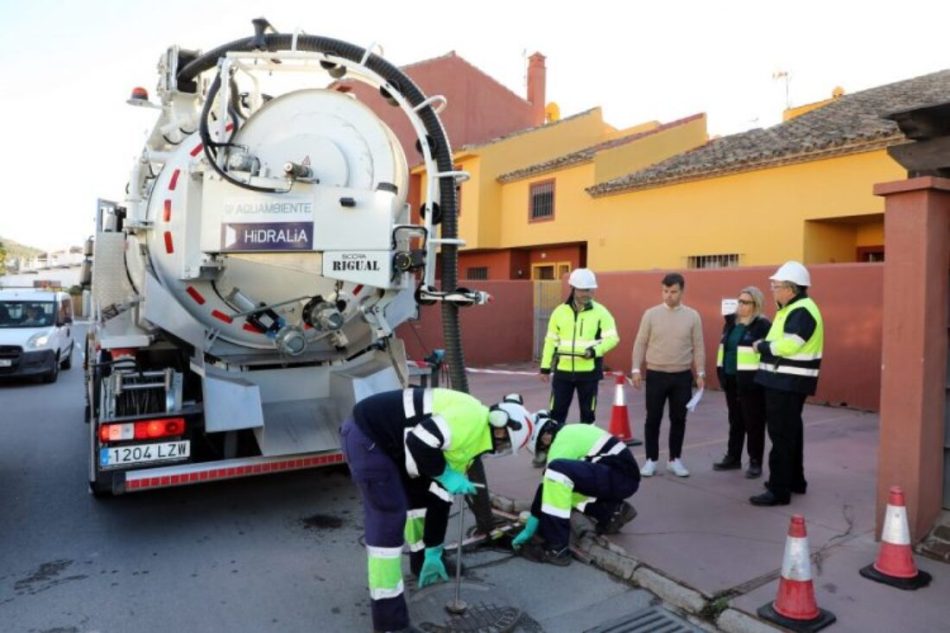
point(849, 296)
point(479, 108)
point(498, 332)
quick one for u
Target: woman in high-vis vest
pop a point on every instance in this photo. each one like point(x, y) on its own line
point(736, 364)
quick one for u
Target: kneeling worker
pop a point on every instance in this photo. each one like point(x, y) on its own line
point(408, 451)
point(588, 469)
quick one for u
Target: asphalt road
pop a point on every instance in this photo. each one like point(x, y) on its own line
point(274, 553)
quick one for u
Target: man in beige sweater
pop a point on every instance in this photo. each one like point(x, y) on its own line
point(671, 341)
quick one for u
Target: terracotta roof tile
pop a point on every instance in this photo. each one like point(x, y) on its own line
point(851, 123)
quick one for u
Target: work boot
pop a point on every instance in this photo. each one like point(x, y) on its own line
point(535, 551)
point(798, 489)
point(754, 471)
point(623, 515)
point(728, 462)
point(539, 459)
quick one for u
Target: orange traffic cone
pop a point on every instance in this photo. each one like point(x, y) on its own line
point(619, 418)
point(794, 606)
point(895, 564)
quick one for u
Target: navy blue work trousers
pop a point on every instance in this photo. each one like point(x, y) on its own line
point(608, 486)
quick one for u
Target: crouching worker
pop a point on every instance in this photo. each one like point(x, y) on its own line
point(588, 469)
point(408, 451)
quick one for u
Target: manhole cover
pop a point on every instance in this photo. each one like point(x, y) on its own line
point(649, 620)
point(486, 612)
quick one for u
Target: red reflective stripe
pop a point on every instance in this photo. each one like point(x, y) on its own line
point(194, 294)
point(356, 290)
point(169, 247)
point(174, 181)
point(228, 127)
point(250, 327)
point(221, 316)
point(197, 149)
point(167, 213)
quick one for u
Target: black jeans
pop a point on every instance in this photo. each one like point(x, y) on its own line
point(783, 415)
point(677, 388)
point(746, 419)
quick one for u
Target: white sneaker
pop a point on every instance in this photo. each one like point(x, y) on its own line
point(676, 467)
point(649, 468)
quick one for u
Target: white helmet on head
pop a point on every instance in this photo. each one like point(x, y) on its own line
point(794, 272)
point(583, 279)
point(510, 414)
point(543, 422)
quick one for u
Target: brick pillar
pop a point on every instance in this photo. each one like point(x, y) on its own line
point(914, 346)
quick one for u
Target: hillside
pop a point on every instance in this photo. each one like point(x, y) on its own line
point(15, 249)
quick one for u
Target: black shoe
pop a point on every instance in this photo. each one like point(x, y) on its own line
point(768, 499)
point(799, 489)
point(754, 471)
point(624, 515)
point(728, 462)
point(536, 552)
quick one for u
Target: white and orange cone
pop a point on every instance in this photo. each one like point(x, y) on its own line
point(794, 607)
point(620, 417)
point(895, 564)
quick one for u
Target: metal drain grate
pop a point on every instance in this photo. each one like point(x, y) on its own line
point(649, 620)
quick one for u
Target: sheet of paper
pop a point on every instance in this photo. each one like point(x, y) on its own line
point(697, 396)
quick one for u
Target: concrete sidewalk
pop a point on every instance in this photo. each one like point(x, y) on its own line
point(699, 544)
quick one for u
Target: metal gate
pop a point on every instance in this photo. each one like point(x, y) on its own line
point(547, 296)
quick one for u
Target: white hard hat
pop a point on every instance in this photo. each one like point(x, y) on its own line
point(542, 422)
point(582, 278)
point(794, 272)
point(511, 414)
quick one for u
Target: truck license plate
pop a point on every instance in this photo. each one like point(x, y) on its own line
point(6, 362)
point(143, 453)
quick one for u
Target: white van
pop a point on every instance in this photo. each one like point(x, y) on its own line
point(36, 337)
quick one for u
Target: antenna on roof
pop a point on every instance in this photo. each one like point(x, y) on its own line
point(784, 74)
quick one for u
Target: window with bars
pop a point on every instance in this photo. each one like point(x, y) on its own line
point(542, 201)
point(477, 272)
point(728, 260)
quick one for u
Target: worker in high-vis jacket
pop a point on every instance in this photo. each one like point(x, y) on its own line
point(588, 470)
point(408, 451)
point(580, 332)
point(789, 362)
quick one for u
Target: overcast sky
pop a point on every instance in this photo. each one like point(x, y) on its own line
point(67, 68)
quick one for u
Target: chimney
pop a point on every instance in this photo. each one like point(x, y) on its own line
point(536, 78)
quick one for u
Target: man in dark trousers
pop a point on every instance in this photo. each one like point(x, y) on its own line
point(580, 332)
point(670, 340)
point(588, 469)
point(408, 451)
point(790, 358)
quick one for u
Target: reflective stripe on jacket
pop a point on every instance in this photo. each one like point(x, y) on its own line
point(748, 357)
point(570, 334)
point(791, 353)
